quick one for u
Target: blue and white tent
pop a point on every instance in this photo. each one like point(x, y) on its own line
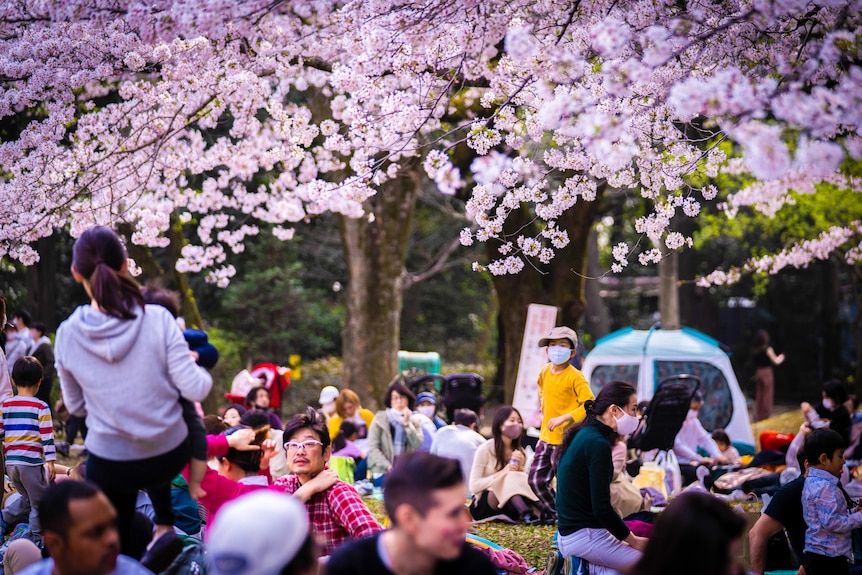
point(644, 358)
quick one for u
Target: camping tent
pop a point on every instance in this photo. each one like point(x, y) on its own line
point(648, 357)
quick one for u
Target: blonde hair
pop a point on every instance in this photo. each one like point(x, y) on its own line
point(346, 396)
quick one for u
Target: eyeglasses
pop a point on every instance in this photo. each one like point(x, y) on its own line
point(305, 445)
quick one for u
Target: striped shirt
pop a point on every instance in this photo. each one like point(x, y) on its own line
point(27, 431)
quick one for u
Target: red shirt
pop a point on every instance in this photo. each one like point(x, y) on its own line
point(336, 515)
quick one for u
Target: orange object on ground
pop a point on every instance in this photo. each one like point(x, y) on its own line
point(775, 440)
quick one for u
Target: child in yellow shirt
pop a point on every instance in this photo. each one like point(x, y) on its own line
point(562, 393)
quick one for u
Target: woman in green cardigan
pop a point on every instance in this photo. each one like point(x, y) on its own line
point(589, 526)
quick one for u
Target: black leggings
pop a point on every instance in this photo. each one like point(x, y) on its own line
point(74, 426)
point(121, 481)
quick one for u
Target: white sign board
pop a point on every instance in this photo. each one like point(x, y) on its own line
point(541, 319)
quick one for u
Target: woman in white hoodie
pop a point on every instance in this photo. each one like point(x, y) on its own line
point(124, 365)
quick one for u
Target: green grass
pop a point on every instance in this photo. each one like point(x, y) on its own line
point(531, 542)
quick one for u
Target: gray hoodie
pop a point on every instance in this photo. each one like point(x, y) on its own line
point(126, 376)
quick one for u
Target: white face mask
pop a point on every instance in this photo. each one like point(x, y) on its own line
point(828, 404)
point(626, 424)
point(427, 410)
point(558, 354)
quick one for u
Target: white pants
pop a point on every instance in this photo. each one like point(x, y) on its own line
point(606, 554)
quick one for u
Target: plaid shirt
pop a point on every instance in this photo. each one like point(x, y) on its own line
point(336, 515)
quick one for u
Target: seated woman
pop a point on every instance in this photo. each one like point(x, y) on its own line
point(393, 432)
point(348, 408)
point(232, 415)
point(588, 525)
point(831, 410)
point(498, 480)
point(691, 436)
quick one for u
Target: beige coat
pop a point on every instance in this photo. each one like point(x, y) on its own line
point(504, 486)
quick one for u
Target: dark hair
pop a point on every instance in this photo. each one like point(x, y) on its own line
point(500, 417)
point(251, 396)
point(347, 429)
point(98, 256)
point(2, 307)
point(25, 315)
point(835, 390)
point(39, 326)
point(246, 460)
point(721, 435)
point(239, 409)
point(697, 397)
point(304, 560)
point(27, 371)
point(308, 420)
point(466, 417)
point(168, 299)
point(54, 505)
point(822, 441)
point(612, 393)
point(413, 478)
point(801, 459)
point(695, 529)
point(258, 421)
point(402, 390)
point(214, 425)
point(761, 341)
point(345, 396)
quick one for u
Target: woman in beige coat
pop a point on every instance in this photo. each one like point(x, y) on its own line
point(498, 479)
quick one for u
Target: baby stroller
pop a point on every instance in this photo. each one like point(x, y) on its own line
point(462, 391)
point(665, 414)
point(660, 425)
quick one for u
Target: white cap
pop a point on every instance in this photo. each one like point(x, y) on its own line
point(256, 534)
point(328, 394)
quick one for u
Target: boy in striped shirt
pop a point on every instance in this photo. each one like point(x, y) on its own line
point(27, 431)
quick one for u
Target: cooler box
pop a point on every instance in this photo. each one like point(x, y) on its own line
point(427, 361)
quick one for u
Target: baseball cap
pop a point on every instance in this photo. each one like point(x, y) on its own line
point(256, 534)
point(426, 396)
point(560, 332)
point(328, 394)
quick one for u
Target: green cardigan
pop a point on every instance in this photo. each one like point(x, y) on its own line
point(381, 447)
point(584, 484)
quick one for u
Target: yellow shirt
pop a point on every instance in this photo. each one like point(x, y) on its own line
point(561, 393)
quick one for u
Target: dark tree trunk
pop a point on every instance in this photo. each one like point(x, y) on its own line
point(374, 252)
point(42, 283)
point(561, 285)
point(597, 319)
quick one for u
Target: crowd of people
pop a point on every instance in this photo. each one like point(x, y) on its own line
point(267, 495)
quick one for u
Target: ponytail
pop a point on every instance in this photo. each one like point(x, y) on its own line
point(99, 257)
point(613, 393)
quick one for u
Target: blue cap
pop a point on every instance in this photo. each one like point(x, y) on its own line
point(426, 396)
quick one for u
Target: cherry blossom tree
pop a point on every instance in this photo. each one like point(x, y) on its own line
point(235, 113)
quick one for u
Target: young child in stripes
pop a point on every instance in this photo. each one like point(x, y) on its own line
point(27, 431)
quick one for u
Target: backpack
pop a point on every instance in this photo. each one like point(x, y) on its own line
point(192, 561)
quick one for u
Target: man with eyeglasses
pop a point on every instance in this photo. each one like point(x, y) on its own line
point(336, 512)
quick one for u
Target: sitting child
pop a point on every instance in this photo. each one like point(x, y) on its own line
point(722, 440)
point(831, 515)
